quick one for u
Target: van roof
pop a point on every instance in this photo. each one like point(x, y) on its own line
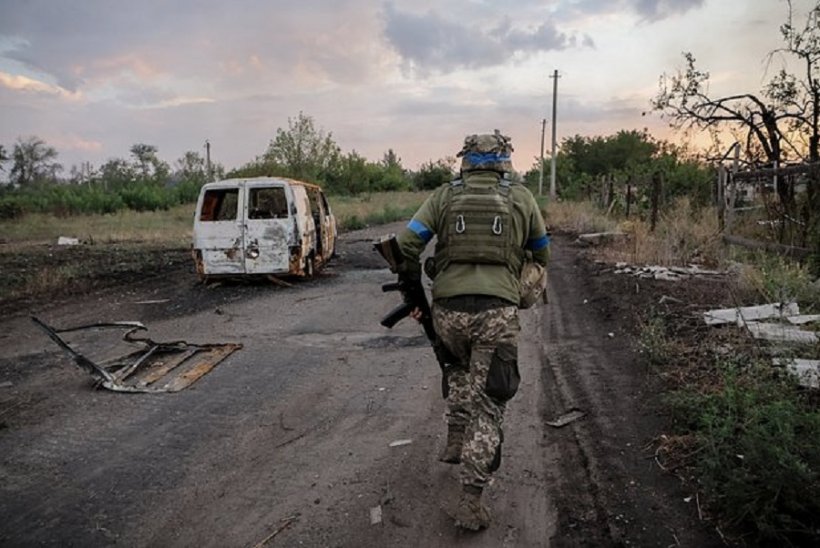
point(242, 180)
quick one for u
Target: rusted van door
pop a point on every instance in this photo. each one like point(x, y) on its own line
point(328, 229)
point(269, 227)
point(219, 230)
point(304, 245)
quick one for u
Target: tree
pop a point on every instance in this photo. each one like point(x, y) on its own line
point(4, 157)
point(434, 174)
point(116, 173)
point(149, 166)
point(33, 161)
point(302, 151)
point(191, 167)
point(778, 123)
point(84, 173)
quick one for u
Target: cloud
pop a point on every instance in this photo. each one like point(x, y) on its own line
point(25, 84)
point(649, 10)
point(429, 42)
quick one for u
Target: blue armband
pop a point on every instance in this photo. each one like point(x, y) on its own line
point(420, 230)
point(537, 244)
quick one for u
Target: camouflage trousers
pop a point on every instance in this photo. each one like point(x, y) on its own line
point(482, 333)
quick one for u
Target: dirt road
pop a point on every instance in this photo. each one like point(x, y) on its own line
point(291, 435)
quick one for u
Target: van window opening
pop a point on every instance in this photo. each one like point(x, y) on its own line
point(268, 203)
point(220, 204)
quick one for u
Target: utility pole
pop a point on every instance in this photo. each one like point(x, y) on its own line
point(554, 114)
point(541, 165)
point(208, 160)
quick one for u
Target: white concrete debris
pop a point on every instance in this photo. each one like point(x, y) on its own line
point(666, 273)
point(376, 515)
point(781, 333)
point(399, 443)
point(66, 240)
point(806, 371)
point(801, 320)
point(741, 315)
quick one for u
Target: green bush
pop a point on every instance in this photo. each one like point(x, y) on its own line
point(10, 208)
point(758, 454)
point(146, 197)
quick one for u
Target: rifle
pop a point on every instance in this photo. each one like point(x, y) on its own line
point(413, 296)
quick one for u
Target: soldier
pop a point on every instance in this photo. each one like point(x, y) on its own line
point(487, 227)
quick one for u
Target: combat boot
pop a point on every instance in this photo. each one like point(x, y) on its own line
point(455, 441)
point(471, 513)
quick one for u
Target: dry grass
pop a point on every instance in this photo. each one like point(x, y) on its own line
point(682, 236)
point(577, 217)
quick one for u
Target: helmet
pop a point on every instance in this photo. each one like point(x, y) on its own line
point(487, 151)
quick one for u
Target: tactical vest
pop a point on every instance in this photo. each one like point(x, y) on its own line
point(477, 226)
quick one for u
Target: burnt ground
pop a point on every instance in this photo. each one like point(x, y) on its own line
point(291, 435)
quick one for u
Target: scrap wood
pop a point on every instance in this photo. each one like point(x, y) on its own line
point(285, 524)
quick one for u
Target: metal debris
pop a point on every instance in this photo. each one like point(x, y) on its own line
point(570, 416)
point(155, 367)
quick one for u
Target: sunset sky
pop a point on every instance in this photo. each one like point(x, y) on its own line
point(93, 77)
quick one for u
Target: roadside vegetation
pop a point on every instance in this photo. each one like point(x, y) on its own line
point(742, 434)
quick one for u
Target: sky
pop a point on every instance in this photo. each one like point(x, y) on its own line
point(93, 77)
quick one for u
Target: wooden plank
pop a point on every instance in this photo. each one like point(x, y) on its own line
point(159, 370)
point(205, 361)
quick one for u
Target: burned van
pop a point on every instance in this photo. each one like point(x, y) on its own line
point(262, 225)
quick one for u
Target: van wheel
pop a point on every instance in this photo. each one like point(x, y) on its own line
point(309, 266)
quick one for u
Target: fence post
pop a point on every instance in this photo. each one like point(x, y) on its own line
point(657, 184)
point(721, 200)
point(628, 195)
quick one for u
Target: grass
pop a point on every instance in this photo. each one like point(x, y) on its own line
point(771, 278)
point(577, 217)
point(355, 212)
point(171, 227)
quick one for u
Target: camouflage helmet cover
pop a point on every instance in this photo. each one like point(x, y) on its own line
point(486, 151)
